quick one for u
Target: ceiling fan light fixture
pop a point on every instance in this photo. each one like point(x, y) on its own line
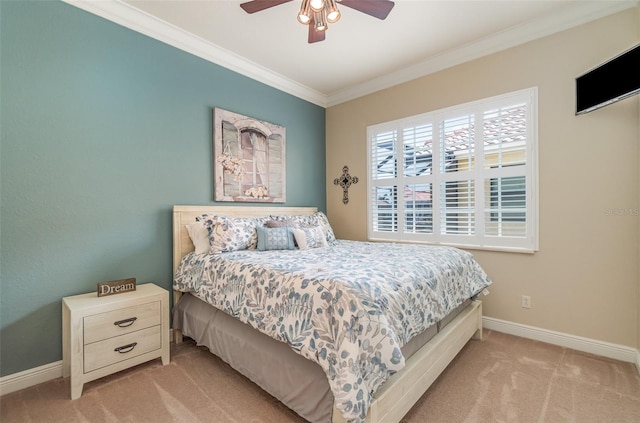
point(320, 20)
point(333, 14)
point(318, 14)
point(317, 5)
point(304, 15)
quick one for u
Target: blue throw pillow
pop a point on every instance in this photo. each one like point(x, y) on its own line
point(275, 238)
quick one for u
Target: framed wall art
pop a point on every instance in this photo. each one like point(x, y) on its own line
point(249, 159)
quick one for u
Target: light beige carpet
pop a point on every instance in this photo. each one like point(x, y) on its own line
point(501, 379)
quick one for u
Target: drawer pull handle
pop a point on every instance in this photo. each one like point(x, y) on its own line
point(128, 348)
point(126, 322)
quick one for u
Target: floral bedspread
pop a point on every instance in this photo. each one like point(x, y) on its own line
point(349, 307)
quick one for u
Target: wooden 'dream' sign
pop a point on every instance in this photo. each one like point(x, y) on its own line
point(116, 287)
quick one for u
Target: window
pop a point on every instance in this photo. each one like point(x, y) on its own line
point(465, 175)
point(508, 199)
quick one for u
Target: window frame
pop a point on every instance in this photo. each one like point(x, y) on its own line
point(478, 173)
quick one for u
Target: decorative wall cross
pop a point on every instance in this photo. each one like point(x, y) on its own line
point(345, 182)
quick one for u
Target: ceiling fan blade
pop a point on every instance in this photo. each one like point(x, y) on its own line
point(315, 36)
point(258, 5)
point(377, 8)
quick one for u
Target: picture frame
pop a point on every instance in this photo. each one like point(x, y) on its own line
point(249, 159)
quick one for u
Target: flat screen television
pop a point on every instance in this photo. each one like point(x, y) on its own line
point(612, 81)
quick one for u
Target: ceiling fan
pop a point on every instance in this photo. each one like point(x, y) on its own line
point(318, 14)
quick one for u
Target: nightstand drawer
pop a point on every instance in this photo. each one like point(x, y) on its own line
point(122, 321)
point(113, 350)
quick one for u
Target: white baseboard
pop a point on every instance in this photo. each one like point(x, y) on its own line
point(30, 377)
point(47, 372)
point(601, 348)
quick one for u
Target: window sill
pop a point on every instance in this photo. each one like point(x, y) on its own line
point(517, 250)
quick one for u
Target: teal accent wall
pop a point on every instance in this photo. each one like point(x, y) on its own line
point(102, 131)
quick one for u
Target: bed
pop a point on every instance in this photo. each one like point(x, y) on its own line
point(334, 343)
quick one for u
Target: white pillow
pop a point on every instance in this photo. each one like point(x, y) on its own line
point(199, 235)
point(310, 237)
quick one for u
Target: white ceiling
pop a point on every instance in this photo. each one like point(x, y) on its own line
point(361, 54)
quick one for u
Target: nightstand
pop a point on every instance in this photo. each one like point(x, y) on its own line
point(103, 335)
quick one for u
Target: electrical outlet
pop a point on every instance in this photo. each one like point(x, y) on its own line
point(526, 301)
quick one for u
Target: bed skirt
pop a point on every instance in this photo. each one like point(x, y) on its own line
point(298, 383)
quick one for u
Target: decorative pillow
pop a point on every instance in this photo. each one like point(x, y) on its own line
point(307, 221)
point(279, 224)
point(208, 221)
point(275, 238)
point(231, 233)
point(310, 237)
point(199, 236)
point(323, 221)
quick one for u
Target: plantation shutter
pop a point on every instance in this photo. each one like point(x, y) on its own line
point(465, 175)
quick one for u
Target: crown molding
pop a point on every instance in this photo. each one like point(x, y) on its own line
point(580, 13)
point(144, 23)
point(128, 16)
